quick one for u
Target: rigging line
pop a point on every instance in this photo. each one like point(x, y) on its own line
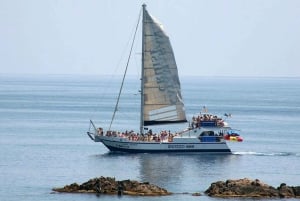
point(116, 107)
point(107, 87)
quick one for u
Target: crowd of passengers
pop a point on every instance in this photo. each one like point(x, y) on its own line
point(163, 136)
point(196, 121)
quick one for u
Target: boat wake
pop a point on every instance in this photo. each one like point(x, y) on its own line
point(266, 153)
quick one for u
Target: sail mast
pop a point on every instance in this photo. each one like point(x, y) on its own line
point(142, 72)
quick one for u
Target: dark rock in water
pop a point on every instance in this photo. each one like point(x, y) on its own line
point(289, 191)
point(108, 185)
point(285, 191)
point(296, 190)
point(196, 194)
point(250, 188)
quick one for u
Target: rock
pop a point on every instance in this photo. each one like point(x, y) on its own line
point(241, 188)
point(251, 188)
point(296, 190)
point(289, 191)
point(69, 188)
point(285, 191)
point(108, 185)
point(196, 194)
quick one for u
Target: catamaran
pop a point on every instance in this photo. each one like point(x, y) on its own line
point(162, 103)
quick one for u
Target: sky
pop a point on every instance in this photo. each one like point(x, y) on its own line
point(209, 37)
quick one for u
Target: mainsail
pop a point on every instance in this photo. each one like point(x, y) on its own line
point(162, 102)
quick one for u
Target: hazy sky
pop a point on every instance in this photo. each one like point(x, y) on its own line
point(209, 37)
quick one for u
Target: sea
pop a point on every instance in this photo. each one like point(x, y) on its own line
point(43, 140)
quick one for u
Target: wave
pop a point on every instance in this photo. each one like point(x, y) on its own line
point(266, 153)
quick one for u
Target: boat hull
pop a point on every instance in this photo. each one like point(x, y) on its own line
point(121, 145)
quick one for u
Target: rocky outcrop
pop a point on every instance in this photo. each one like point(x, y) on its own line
point(108, 185)
point(251, 188)
point(230, 188)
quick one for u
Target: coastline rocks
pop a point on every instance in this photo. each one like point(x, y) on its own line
point(229, 188)
point(108, 185)
point(251, 188)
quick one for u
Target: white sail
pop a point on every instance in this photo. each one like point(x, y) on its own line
point(162, 101)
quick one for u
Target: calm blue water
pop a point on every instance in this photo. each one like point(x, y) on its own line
point(43, 121)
